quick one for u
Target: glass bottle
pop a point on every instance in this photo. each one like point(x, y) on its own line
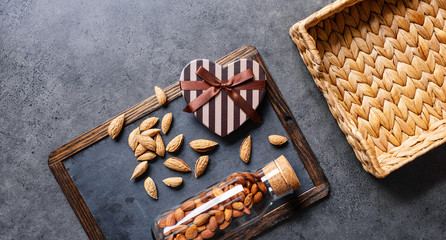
point(229, 205)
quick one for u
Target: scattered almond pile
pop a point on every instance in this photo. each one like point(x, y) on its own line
point(147, 143)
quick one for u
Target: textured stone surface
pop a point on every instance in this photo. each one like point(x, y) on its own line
point(66, 66)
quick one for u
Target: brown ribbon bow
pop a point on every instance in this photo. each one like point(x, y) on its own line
point(213, 86)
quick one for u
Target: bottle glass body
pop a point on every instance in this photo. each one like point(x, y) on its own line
point(227, 206)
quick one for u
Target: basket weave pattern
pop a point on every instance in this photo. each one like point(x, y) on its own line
point(381, 67)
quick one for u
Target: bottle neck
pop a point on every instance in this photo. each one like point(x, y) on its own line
point(279, 178)
point(274, 184)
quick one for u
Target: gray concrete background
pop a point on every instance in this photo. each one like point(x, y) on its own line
point(66, 66)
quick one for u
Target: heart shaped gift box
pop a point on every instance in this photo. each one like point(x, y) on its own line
point(223, 98)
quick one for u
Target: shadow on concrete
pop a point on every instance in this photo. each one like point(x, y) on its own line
point(298, 217)
point(418, 176)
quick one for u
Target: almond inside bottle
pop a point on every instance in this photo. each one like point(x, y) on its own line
point(229, 205)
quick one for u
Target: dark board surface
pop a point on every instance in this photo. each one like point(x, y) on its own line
point(283, 210)
point(122, 208)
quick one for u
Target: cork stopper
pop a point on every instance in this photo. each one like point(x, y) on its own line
point(281, 176)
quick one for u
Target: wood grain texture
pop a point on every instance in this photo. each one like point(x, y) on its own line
point(140, 110)
point(76, 201)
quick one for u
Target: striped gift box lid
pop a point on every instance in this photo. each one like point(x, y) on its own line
point(220, 114)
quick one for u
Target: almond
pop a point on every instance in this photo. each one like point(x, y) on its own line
point(277, 140)
point(159, 148)
point(245, 149)
point(217, 191)
point(240, 180)
point(262, 187)
point(147, 156)
point(162, 223)
point(206, 234)
point(140, 149)
point(220, 216)
point(180, 237)
point(246, 210)
point(257, 175)
point(248, 184)
point(175, 143)
point(254, 189)
point(187, 206)
point(250, 205)
point(170, 219)
point(225, 224)
point(179, 214)
point(201, 228)
point(160, 95)
point(246, 191)
point(201, 165)
point(173, 181)
point(234, 175)
point(237, 213)
point(148, 123)
point(166, 122)
point(198, 238)
point(191, 232)
point(213, 211)
point(147, 142)
point(115, 126)
point(179, 229)
point(150, 187)
point(201, 219)
point(133, 139)
point(228, 214)
point(203, 145)
point(212, 225)
point(177, 164)
point(248, 177)
point(258, 197)
point(140, 169)
point(150, 132)
point(248, 199)
point(198, 201)
point(237, 205)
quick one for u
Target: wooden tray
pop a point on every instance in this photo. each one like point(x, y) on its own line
point(93, 170)
point(381, 67)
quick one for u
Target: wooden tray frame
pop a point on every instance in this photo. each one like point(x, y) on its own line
point(319, 191)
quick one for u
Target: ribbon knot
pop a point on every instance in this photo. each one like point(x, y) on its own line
point(225, 84)
point(212, 86)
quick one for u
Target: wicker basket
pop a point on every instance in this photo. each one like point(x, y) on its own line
point(381, 67)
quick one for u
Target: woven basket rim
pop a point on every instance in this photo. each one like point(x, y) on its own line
point(305, 42)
